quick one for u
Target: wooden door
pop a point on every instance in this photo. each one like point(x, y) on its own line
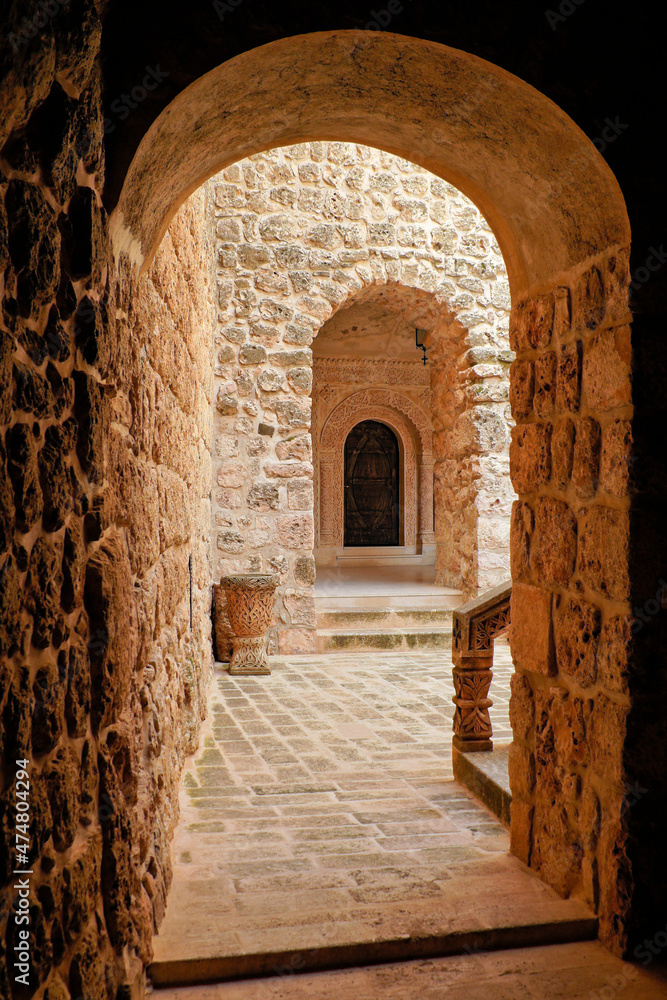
point(371, 485)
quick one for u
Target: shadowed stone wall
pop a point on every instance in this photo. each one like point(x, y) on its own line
point(302, 232)
point(104, 443)
point(571, 623)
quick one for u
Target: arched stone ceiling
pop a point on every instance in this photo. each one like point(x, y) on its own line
point(544, 189)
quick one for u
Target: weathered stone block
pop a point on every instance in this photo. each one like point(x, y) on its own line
point(614, 653)
point(252, 354)
point(522, 387)
point(522, 524)
point(62, 777)
point(603, 559)
point(530, 456)
point(295, 531)
point(577, 627)
point(589, 301)
point(568, 378)
point(521, 771)
point(607, 737)
point(304, 571)
point(545, 383)
point(229, 499)
point(300, 495)
point(43, 585)
point(521, 830)
point(78, 696)
point(270, 380)
point(586, 459)
point(295, 641)
point(288, 470)
point(298, 448)
point(300, 606)
point(616, 458)
point(562, 453)
point(34, 246)
point(530, 634)
point(232, 473)
point(522, 706)
point(231, 541)
point(48, 706)
point(263, 496)
point(606, 370)
point(228, 196)
point(300, 379)
point(531, 323)
point(554, 541)
point(225, 403)
point(22, 469)
point(108, 599)
point(292, 413)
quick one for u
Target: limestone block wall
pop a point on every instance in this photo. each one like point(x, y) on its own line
point(104, 442)
point(572, 782)
point(301, 232)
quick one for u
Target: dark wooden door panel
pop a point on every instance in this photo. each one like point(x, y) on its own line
point(371, 485)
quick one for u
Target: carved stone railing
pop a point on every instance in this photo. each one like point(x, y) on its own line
point(475, 626)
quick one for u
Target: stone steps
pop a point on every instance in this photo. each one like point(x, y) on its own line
point(519, 913)
point(384, 618)
point(576, 970)
point(396, 639)
point(383, 628)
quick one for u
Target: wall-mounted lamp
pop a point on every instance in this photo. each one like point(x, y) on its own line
point(420, 337)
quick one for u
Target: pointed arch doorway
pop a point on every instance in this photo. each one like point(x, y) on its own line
point(372, 477)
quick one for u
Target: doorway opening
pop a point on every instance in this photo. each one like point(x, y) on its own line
point(372, 480)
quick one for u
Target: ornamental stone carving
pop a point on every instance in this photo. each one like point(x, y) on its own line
point(249, 607)
point(475, 626)
point(353, 410)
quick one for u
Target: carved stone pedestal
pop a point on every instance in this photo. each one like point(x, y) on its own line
point(249, 607)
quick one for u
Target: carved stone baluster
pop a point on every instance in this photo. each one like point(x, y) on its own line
point(475, 626)
point(472, 723)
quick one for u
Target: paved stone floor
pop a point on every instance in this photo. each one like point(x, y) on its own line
point(583, 971)
point(320, 811)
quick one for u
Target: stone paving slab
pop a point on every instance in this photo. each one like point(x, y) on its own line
point(583, 971)
point(320, 814)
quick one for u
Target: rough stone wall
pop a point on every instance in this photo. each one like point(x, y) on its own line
point(300, 232)
point(159, 492)
point(97, 657)
point(570, 463)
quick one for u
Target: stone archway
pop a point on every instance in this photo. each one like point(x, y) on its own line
point(540, 188)
point(416, 498)
point(561, 222)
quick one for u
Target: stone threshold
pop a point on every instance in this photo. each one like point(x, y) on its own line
point(486, 775)
point(566, 929)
